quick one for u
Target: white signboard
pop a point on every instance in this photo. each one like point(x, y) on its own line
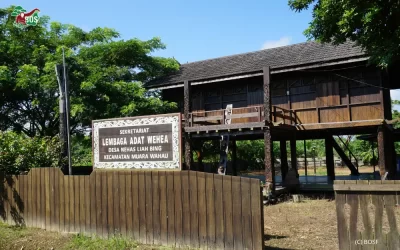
point(147, 142)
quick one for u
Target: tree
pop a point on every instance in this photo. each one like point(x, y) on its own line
point(374, 25)
point(105, 75)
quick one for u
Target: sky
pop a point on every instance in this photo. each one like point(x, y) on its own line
point(192, 30)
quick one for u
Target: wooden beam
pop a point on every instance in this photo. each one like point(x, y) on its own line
point(330, 163)
point(284, 162)
point(345, 158)
point(187, 108)
point(225, 127)
point(351, 124)
point(367, 187)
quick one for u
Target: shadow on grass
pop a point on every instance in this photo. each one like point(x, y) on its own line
point(268, 237)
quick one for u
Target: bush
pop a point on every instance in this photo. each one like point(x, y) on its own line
point(19, 153)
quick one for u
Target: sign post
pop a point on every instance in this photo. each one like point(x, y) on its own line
point(149, 142)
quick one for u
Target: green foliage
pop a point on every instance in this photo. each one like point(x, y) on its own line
point(19, 153)
point(252, 152)
point(81, 150)
point(365, 151)
point(374, 25)
point(105, 75)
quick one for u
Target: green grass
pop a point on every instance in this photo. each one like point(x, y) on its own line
point(95, 243)
point(16, 237)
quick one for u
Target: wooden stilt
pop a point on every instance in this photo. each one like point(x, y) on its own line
point(269, 165)
point(305, 157)
point(284, 162)
point(386, 157)
point(330, 164)
point(293, 156)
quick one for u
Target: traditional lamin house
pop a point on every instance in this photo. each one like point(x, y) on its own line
point(302, 91)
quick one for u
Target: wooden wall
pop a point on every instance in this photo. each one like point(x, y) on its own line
point(180, 208)
point(317, 97)
point(368, 214)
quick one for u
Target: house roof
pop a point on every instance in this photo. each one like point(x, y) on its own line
point(286, 57)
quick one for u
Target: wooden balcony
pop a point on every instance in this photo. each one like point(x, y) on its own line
point(238, 118)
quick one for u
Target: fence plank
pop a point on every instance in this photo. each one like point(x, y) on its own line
point(128, 203)
point(17, 203)
point(185, 207)
point(178, 209)
point(228, 211)
point(61, 191)
point(122, 203)
point(135, 203)
point(393, 235)
point(163, 208)
point(21, 198)
point(35, 197)
point(142, 207)
point(26, 198)
point(82, 204)
point(48, 199)
point(104, 204)
point(377, 201)
point(86, 207)
point(219, 212)
point(52, 200)
point(67, 205)
point(257, 218)
point(98, 205)
point(57, 173)
point(110, 204)
point(30, 200)
point(210, 203)
point(194, 212)
point(237, 213)
point(201, 197)
point(343, 231)
point(93, 200)
point(367, 234)
point(170, 208)
point(116, 195)
point(156, 209)
point(149, 208)
point(42, 184)
point(246, 213)
point(352, 200)
point(77, 191)
point(11, 199)
point(89, 197)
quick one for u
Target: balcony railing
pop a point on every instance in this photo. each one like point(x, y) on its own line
point(253, 114)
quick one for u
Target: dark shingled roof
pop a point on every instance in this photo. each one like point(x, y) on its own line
point(277, 58)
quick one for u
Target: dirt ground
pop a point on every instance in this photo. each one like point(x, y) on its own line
point(307, 225)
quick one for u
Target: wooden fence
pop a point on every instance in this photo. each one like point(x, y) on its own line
point(179, 208)
point(368, 214)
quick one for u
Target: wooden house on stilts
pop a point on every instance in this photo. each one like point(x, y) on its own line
point(297, 92)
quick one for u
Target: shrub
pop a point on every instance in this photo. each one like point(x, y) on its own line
point(19, 153)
